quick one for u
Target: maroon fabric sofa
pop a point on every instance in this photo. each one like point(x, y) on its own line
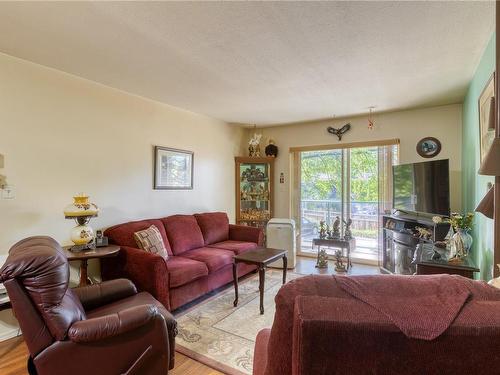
point(201, 248)
point(320, 329)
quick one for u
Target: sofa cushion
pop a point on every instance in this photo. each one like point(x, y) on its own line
point(238, 247)
point(183, 233)
point(123, 234)
point(214, 258)
point(214, 226)
point(183, 270)
point(150, 240)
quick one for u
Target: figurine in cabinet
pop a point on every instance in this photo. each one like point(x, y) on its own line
point(254, 189)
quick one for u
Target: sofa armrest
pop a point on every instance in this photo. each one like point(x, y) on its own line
point(260, 352)
point(149, 272)
point(343, 328)
point(92, 296)
point(111, 325)
point(246, 233)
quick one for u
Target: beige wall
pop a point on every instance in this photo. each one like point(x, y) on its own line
point(410, 126)
point(62, 135)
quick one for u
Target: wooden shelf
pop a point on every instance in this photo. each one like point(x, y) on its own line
point(258, 220)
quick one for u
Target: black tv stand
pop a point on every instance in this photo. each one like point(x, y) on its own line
point(400, 241)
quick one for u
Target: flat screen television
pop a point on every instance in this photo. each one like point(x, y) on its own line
point(422, 187)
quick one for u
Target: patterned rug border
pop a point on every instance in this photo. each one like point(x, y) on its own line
point(212, 363)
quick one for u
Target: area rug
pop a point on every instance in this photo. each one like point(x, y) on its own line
point(223, 336)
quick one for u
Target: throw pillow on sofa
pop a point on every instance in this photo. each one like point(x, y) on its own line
point(150, 240)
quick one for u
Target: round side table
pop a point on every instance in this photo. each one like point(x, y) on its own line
point(85, 255)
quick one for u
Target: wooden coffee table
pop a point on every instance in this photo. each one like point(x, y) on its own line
point(261, 258)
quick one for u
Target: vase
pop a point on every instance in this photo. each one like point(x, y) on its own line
point(461, 243)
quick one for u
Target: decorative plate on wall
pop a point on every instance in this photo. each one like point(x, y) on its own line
point(428, 147)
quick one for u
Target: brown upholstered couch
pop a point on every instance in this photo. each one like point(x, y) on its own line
point(201, 248)
point(320, 329)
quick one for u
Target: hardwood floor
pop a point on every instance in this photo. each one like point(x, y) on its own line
point(13, 356)
point(14, 353)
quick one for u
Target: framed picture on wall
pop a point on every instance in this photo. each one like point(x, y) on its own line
point(173, 168)
point(487, 117)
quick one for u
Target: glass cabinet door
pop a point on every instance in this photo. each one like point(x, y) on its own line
point(254, 193)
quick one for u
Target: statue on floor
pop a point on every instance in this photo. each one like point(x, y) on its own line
point(339, 263)
point(322, 261)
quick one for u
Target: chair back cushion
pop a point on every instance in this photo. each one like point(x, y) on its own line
point(183, 233)
point(214, 226)
point(123, 234)
point(36, 334)
point(39, 264)
point(150, 240)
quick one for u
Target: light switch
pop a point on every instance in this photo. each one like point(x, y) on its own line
point(8, 192)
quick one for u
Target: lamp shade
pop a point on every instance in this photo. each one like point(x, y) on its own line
point(491, 117)
point(487, 205)
point(491, 163)
point(81, 207)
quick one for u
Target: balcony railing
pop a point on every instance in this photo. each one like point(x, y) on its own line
point(364, 216)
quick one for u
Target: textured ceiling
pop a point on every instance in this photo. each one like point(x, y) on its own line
point(260, 62)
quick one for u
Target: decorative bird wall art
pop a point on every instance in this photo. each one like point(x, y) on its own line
point(339, 132)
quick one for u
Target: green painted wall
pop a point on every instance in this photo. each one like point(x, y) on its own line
point(474, 187)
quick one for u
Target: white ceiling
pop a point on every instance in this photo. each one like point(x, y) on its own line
point(260, 62)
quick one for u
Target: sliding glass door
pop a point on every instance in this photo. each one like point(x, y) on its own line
point(321, 189)
point(363, 201)
point(348, 183)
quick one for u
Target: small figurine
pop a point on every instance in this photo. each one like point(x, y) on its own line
point(266, 195)
point(347, 229)
point(271, 149)
point(322, 261)
point(339, 263)
point(322, 230)
point(423, 233)
point(329, 233)
point(254, 146)
point(336, 229)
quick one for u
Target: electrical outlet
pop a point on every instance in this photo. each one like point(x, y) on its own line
point(7, 192)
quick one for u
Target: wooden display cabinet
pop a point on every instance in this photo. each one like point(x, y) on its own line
point(254, 190)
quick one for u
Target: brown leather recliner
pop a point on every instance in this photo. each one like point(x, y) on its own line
point(105, 328)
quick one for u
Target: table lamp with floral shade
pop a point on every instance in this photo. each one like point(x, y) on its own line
point(81, 210)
